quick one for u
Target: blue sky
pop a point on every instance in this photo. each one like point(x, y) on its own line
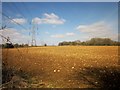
point(60, 1)
point(61, 21)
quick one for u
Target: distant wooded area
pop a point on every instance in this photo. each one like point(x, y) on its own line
point(92, 42)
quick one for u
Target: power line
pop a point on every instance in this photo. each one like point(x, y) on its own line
point(10, 9)
point(18, 10)
point(21, 13)
point(13, 20)
point(33, 31)
point(33, 28)
point(27, 9)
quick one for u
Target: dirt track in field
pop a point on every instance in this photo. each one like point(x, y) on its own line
point(63, 67)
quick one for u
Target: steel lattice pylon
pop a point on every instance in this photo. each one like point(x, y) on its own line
point(33, 43)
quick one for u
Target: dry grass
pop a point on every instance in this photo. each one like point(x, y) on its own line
point(58, 66)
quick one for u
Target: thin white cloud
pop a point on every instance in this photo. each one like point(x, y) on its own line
point(62, 35)
point(19, 20)
point(47, 33)
point(57, 36)
point(70, 34)
point(95, 27)
point(18, 15)
point(48, 19)
point(99, 29)
point(14, 36)
point(37, 20)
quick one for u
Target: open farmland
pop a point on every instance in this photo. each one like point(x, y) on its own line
point(65, 66)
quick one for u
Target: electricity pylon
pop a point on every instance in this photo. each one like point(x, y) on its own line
point(33, 32)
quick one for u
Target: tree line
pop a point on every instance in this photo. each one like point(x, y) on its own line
point(92, 42)
point(9, 45)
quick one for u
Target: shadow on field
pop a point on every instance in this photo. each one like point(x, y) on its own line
point(9, 72)
point(12, 78)
point(100, 77)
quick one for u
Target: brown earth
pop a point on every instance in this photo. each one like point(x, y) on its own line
point(65, 66)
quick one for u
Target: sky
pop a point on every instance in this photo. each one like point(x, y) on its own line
point(60, 0)
point(55, 22)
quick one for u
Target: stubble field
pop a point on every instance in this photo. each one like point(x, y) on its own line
point(66, 66)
